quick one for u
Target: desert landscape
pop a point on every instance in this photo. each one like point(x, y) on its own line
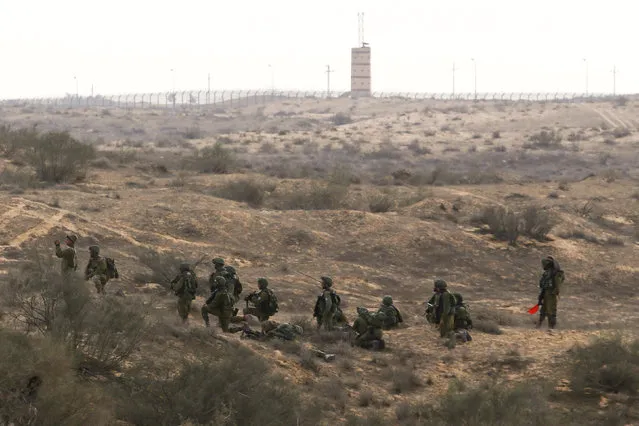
point(384, 196)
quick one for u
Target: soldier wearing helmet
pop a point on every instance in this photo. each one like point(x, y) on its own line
point(392, 315)
point(264, 301)
point(68, 255)
point(96, 269)
point(327, 310)
point(368, 327)
point(184, 285)
point(221, 305)
point(550, 284)
point(444, 308)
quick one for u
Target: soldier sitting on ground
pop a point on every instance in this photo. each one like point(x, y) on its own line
point(220, 305)
point(184, 285)
point(393, 316)
point(68, 255)
point(368, 327)
point(264, 301)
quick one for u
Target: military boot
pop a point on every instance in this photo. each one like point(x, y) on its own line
point(552, 322)
point(541, 321)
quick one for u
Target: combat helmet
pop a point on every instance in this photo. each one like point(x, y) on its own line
point(72, 238)
point(387, 300)
point(94, 250)
point(220, 281)
point(218, 261)
point(441, 285)
point(327, 281)
point(185, 267)
point(362, 310)
point(262, 283)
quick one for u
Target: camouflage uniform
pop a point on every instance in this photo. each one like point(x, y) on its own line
point(220, 271)
point(430, 308)
point(462, 315)
point(444, 309)
point(393, 317)
point(69, 262)
point(261, 301)
point(233, 283)
point(550, 285)
point(220, 306)
point(369, 329)
point(282, 331)
point(184, 286)
point(96, 269)
point(327, 306)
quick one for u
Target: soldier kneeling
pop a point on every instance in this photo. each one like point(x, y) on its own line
point(368, 327)
point(220, 304)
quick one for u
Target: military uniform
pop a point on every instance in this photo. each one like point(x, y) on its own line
point(368, 327)
point(392, 315)
point(69, 262)
point(327, 306)
point(261, 301)
point(96, 270)
point(550, 286)
point(463, 319)
point(444, 309)
point(184, 286)
point(220, 306)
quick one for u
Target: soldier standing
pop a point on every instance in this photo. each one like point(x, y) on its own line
point(444, 309)
point(184, 286)
point(96, 270)
point(69, 262)
point(549, 284)
point(327, 305)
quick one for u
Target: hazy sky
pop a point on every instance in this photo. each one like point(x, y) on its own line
point(124, 46)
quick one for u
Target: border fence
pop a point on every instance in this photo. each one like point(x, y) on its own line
point(244, 98)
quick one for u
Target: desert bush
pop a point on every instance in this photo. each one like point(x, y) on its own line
point(503, 223)
point(487, 326)
point(101, 163)
point(621, 101)
point(607, 364)
point(404, 379)
point(39, 385)
point(317, 197)
point(104, 331)
point(250, 191)
point(13, 141)
point(621, 132)
point(381, 203)
point(236, 387)
point(490, 404)
point(340, 119)
point(496, 134)
point(299, 237)
point(536, 222)
point(512, 359)
point(365, 398)
point(579, 234)
point(193, 133)
point(418, 149)
point(58, 157)
point(162, 266)
point(18, 178)
point(214, 159)
point(545, 139)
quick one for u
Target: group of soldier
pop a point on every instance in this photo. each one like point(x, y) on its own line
point(99, 270)
point(445, 310)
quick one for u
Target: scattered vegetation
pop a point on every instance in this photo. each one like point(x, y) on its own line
point(214, 159)
point(250, 191)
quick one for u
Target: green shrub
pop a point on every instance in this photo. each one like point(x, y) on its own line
point(58, 157)
point(214, 159)
point(250, 191)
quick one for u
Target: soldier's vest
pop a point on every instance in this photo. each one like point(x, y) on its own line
point(462, 317)
point(391, 315)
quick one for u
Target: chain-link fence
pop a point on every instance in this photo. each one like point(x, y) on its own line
point(243, 98)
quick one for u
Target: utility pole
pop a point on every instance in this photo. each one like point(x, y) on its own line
point(475, 72)
point(92, 90)
point(586, 61)
point(77, 92)
point(614, 80)
point(208, 92)
point(454, 69)
point(328, 80)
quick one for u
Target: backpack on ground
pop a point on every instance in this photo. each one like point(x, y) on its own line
point(112, 271)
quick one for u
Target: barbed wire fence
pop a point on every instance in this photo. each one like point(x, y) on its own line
point(244, 98)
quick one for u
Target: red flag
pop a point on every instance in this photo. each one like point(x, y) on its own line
point(533, 310)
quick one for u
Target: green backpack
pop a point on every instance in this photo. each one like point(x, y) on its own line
point(272, 306)
point(112, 271)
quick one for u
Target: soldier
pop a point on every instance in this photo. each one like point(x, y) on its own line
point(549, 284)
point(327, 305)
point(220, 305)
point(463, 321)
point(96, 269)
point(283, 331)
point(68, 255)
point(233, 283)
point(220, 271)
point(369, 329)
point(393, 316)
point(184, 286)
point(264, 301)
point(444, 309)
